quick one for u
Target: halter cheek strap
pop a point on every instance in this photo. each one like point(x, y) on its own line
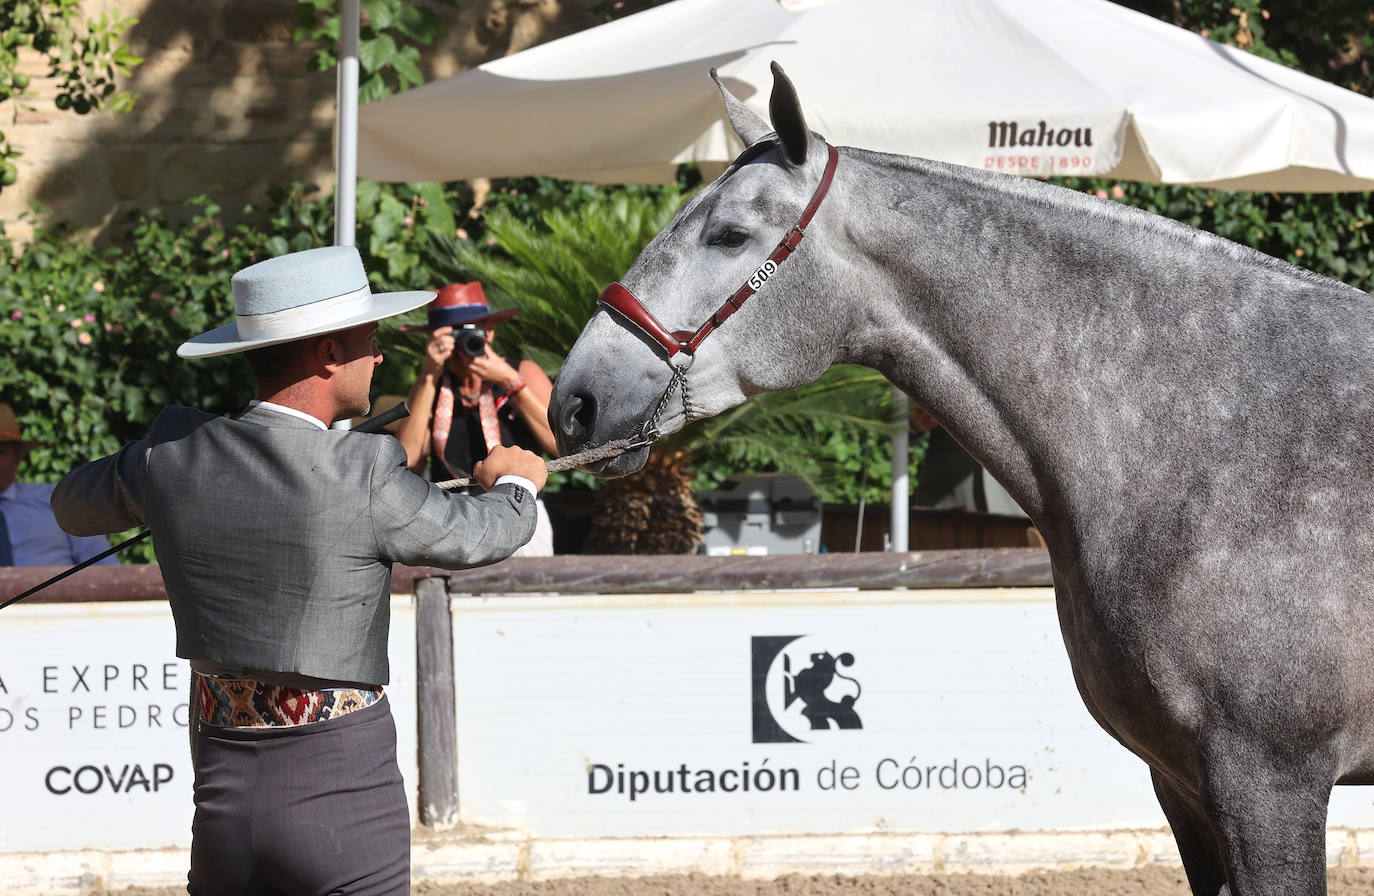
point(628, 306)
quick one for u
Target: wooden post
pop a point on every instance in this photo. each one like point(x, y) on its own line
point(435, 700)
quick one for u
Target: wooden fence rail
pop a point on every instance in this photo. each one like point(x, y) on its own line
point(587, 574)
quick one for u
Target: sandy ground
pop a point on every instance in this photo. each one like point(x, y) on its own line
point(1146, 881)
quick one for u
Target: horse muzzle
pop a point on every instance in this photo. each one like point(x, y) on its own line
point(574, 415)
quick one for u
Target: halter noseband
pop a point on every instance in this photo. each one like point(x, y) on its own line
point(624, 302)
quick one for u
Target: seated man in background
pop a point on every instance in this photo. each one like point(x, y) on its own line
point(29, 534)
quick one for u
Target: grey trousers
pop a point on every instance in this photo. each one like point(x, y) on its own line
point(306, 811)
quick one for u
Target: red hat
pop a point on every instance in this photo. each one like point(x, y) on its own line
point(458, 304)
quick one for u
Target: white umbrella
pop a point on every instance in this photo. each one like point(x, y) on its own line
point(1038, 88)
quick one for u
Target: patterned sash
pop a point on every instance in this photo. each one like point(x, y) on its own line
point(487, 406)
point(245, 703)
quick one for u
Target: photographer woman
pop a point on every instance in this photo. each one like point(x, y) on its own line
point(468, 399)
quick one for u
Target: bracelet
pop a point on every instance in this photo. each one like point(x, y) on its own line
point(515, 385)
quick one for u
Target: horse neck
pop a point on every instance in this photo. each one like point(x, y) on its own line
point(1022, 316)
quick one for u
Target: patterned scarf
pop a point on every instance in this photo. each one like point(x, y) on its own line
point(487, 406)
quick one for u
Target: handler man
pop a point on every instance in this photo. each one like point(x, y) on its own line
point(276, 537)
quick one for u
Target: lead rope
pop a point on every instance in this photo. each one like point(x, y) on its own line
point(558, 465)
point(648, 434)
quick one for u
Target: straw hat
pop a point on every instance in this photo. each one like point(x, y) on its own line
point(9, 428)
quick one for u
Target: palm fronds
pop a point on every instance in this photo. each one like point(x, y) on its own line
point(790, 431)
point(554, 274)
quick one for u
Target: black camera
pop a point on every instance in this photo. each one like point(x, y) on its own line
point(472, 341)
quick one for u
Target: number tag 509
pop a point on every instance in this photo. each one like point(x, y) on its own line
point(760, 277)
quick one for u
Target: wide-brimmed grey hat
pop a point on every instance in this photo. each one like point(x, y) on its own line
point(298, 295)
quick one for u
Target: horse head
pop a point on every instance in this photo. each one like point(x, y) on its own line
point(659, 352)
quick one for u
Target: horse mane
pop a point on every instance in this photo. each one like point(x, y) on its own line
point(1047, 195)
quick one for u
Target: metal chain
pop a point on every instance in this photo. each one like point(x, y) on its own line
point(650, 429)
point(686, 399)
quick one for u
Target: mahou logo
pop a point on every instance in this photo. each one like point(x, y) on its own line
point(802, 688)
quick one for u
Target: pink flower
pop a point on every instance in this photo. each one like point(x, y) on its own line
point(491, 241)
point(16, 315)
point(84, 339)
point(155, 296)
point(109, 328)
point(1117, 192)
point(223, 253)
point(175, 313)
point(1101, 194)
point(461, 233)
point(409, 221)
point(76, 323)
point(90, 318)
point(98, 286)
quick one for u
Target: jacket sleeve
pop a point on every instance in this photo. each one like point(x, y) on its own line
point(419, 524)
point(105, 495)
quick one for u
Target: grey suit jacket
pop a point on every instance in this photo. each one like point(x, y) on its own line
point(276, 539)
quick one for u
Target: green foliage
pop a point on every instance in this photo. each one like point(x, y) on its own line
point(83, 56)
point(835, 433)
point(90, 333)
point(1325, 233)
point(1331, 39)
point(389, 41)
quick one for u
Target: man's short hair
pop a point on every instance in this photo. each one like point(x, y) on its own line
point(272, 361)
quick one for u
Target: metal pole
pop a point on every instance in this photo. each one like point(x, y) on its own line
point(346, 139)
point(901, 488)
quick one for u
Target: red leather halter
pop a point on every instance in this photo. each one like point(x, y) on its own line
point(625, 303)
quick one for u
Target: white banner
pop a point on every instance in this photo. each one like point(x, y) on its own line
point(810, 713)
point(93, 715)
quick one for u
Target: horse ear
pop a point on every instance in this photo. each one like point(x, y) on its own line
point(785, 110)
point(750, 127)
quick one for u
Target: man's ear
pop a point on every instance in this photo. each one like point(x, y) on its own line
point(328, 354)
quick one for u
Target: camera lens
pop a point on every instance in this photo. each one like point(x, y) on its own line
point(473, 342)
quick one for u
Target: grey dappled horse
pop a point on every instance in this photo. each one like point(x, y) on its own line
point(1185, 420)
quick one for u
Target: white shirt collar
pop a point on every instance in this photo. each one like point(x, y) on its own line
point(290, 412)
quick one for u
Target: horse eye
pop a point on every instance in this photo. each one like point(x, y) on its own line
point(729, 237)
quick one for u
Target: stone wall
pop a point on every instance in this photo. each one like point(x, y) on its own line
point(226, 108)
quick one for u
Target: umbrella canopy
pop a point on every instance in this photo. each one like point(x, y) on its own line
point(1042, 88)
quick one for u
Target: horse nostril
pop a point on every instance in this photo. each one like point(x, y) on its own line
point(576, 415)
